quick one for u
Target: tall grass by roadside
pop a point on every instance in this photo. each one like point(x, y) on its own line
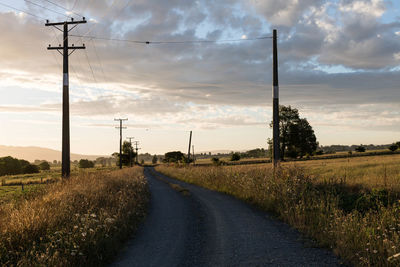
point(362, 226)
point(77, 222)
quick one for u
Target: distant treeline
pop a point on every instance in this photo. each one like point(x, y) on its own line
point(12, 166)
point(341, 148)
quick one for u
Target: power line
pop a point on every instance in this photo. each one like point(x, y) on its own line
point(90, 66)
point(69, 10)
point(76, 1)
point(173, 42)
point(107, 11)
point(23, 11)
point(47, 8)
point(98, 58)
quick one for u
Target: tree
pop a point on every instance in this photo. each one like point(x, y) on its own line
point(393, 147)
point(30, 168)
point(360, 148)
point(127, 153)
point(155, 159)
point(296, 135)
point(84, 163)
point(215, 161)
point(235, 157)
point(174, 156)
point(44, 166)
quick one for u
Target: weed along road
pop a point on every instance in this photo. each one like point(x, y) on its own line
point(191, 226)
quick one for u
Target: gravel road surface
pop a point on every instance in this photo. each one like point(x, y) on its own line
point(208, 228)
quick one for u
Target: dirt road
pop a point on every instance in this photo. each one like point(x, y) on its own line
point(208, 228)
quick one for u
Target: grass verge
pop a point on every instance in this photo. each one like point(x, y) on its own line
point(367, 234)
point(77, 222)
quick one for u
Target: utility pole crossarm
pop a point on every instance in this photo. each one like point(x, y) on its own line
point(62, 47)
point(65, 22)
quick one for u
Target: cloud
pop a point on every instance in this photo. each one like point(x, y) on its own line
point(173, 79)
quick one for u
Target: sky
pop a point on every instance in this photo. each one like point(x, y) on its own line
point(339, 65)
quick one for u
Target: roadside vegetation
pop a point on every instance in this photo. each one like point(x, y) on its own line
point(349, 205)
point(76, 222)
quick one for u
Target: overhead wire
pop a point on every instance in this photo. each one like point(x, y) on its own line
point(98, 58)
point(51, 10)
point(66, 9)
point(173, 42)
point(23, 11)
point(95, 25)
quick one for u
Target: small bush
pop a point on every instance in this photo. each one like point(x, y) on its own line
point(360, 149)
point(44, 166)
point(235, 157)
point(393, 147)
point(84, 163)
point(30, 168)
point(215, 161)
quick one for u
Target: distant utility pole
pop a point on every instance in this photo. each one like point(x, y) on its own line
point(66, 168)
point(275, 96)
point(137, 152)
point(130, 150)
point(120, 139)
point(194, 158)
point(190, 142)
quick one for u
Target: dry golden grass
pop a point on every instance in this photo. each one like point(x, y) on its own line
point(359, 222)
point(77, 222)
point(375, 171)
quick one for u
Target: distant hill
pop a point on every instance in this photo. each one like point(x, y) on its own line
point(32, 153)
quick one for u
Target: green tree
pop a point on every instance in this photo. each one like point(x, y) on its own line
point(30, 168)
point(85, 163)
point(155, 159)
point(174, 156)
point(235, 157)
point(360, 148)
point(11, 166)
point(44, 166)
point(215, 161)
point(393, 147)
point(296, 135)
point(127, 153)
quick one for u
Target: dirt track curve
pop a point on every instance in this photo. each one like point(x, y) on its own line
point(208, 228)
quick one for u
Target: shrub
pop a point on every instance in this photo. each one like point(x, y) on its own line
point(215, 161)
point(84, 163)
point(360, 148)
point(393, 147)
point(30, 168)
point(235, 157)
point(44, 166)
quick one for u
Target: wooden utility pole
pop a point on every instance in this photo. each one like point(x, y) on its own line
point(190, 143)
point(66, 167)
point(194, 158)
point(130, 150)
point(137, 152)
point(275, 96)
point(120, 139)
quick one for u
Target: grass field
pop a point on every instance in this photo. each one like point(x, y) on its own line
point(81, 221)
point(11, 185)
point(350, 205)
